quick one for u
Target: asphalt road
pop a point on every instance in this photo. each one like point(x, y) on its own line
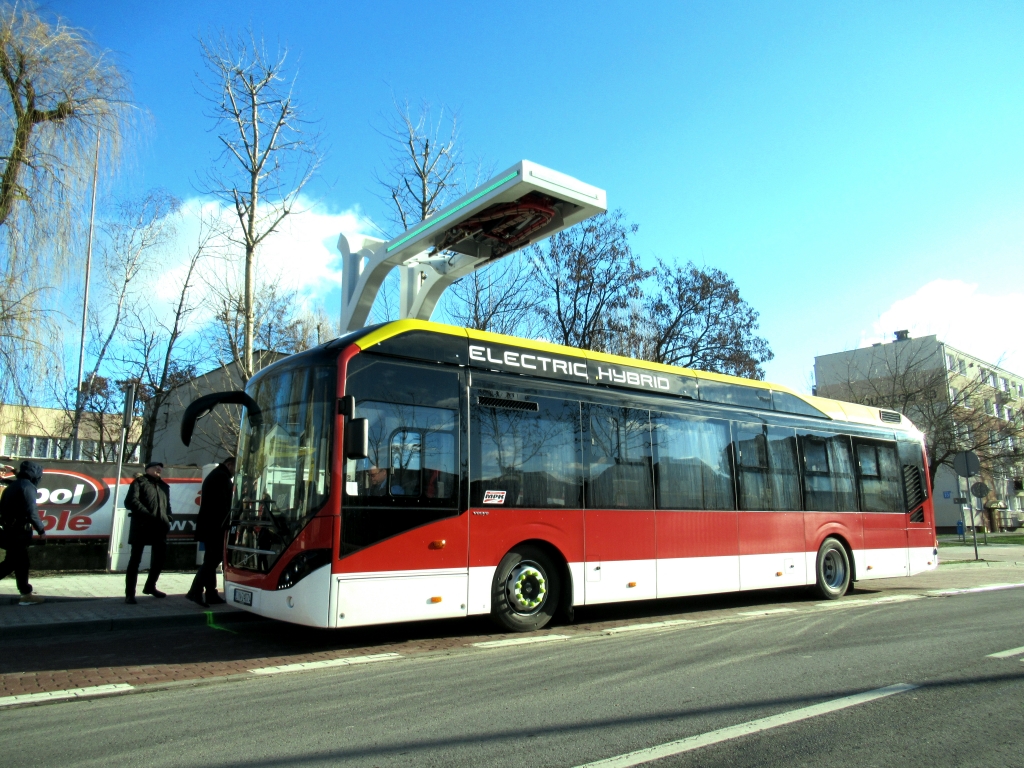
point(596, 696)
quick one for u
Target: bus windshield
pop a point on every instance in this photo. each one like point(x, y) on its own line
point(283, 475)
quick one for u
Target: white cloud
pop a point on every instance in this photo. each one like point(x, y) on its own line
point(301, 256)
point(959, 314)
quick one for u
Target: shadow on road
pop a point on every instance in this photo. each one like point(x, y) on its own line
point(271, 639)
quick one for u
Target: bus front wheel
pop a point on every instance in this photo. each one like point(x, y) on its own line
point(524, 595)
point(833, 570)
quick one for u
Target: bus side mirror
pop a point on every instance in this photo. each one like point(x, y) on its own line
point(357, 439)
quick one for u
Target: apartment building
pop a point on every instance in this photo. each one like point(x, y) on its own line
point(960, 401)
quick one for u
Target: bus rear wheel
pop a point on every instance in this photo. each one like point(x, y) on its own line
point(524, 595)
point(833, 570)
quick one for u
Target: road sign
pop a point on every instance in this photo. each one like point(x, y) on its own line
point(966, 464)
point(947, 494)
point(980, 490)
point(960, 500)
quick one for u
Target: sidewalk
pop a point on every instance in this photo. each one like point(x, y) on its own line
point(90, 602)
point(991, 553)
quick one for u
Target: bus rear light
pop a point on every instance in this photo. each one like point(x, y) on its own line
point(435, 599)
point(632, 584)
point(439, 544)
point(778, 573)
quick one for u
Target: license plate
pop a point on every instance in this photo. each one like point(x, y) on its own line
point(243, 596)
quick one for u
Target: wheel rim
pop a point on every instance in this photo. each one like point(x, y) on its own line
point(526, 587)
point(833, 570)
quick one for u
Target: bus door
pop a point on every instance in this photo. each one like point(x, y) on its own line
point(619, 522)
point(404, 544)
point(883, 510)
point(771, 523)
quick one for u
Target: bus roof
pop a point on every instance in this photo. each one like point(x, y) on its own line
point(833, 409)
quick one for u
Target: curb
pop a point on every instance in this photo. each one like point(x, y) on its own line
point(959, 564)
point(91, 626)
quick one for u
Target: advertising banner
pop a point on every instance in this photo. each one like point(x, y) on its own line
point(76, 498)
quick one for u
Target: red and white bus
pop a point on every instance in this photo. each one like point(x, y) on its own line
point(413, 471)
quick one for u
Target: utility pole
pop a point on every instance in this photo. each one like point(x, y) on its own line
point(79, 394)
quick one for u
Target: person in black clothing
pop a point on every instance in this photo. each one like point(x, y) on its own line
point(149, 502)
point(18, 516)
point(212, 521)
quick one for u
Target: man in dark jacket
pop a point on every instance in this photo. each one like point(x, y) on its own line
point(18, 516)
point(212, 521)
point(149, 502)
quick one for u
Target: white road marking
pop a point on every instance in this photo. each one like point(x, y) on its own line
point(70, 693)
point(520, 641)
point(986, 588)
point(894, 598)
point(768, 612)
point(1007, 654)
point(652, 625)
point(325, 664)
point(690, 743)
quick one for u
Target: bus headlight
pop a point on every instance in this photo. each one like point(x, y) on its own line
point(302, 565)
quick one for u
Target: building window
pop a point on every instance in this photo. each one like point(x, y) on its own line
point(988, 407)
point(950, 362)
point(1004, 384)
point(965, 400)
point(29, 447)
point(953, 393)
point(963, 366)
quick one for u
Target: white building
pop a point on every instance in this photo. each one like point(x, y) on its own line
point(913, 374)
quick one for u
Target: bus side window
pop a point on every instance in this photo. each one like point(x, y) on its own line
point(620, 473)
point(692, 463)
point(525, 453)
point(840, 457)
point(767, 468)
point(879, 476)
point(818, 494)
point(750, 449)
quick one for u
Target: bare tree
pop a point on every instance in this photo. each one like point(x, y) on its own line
point(130, 243)
point(588, 275)
point(276, 327)
point(156, 350)
point(422, 173)
point(497, 298)
point(314, 327)
point(268, 157)
point(66, 101)
point(955, 412)
point(425, 169)
point(694, 317)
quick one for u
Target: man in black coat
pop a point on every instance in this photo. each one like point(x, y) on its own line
point(18, 516)
point(212, 521)
point(149, 502)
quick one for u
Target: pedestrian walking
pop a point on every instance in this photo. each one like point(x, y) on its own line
point(211, 523)
point(149, 505)
point(18, 517)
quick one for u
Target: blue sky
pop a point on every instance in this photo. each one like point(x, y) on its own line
point(855, 167)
